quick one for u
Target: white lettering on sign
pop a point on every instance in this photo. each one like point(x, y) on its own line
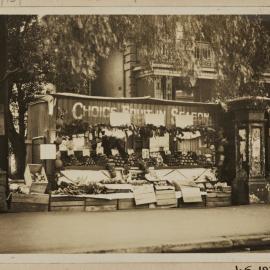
point(80, 111)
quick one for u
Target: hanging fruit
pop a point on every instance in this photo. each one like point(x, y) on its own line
point(58, 163)
point(222, 157)
point(59, 122)
point(221, 149)
point(58, 140)
point(212, 147)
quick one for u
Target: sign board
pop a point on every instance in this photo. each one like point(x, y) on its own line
point(144, 194)
point(130, 151)
point(118, 119)
point(156, 119)
point(158, 142)
point(86, 152)
point(191, 194)
point(145, 153)
point(99, 150)
point(98, 110)
point(78, 142)
point(47, 151)
point(183, 121)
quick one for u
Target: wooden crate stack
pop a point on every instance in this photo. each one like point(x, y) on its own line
point(166, 198)
point(67, 203)
point(94, 204)
point(219, 198)
point(125, 204)
point(29, 202)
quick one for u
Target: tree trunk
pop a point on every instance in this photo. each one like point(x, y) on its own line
point(18, 145)
point(20, 157)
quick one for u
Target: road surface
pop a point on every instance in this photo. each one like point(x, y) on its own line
point(87, 232)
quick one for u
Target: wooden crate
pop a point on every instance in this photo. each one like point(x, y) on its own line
point(222, 199)
point(166, 198)
point(67, 203)
point(95, 204)
point(124, 204)
point(35, 187)
point(29, 202)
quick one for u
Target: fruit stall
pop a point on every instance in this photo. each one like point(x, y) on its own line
point(96, 153)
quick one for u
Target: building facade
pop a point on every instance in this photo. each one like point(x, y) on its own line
point(124, 74)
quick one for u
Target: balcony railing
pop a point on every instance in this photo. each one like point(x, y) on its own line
point(204, 55)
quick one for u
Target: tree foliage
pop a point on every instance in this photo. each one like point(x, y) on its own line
point(31, 67)
point(240, 44)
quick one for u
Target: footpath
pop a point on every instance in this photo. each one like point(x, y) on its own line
point(136, 231)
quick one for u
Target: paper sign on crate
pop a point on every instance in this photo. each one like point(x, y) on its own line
point(118, 119)
point(47, 151)
point(156, 119)
point(144, 194)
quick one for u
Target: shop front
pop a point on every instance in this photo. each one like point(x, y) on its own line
point(91, 153)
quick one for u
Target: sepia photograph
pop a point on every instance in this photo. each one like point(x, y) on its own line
point(134, 133)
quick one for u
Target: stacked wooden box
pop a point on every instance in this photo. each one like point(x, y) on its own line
point(29, 202)
point(93, 205)
point(67, 203)
point(125, 204)
point(219, 198)
point(166, 198)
